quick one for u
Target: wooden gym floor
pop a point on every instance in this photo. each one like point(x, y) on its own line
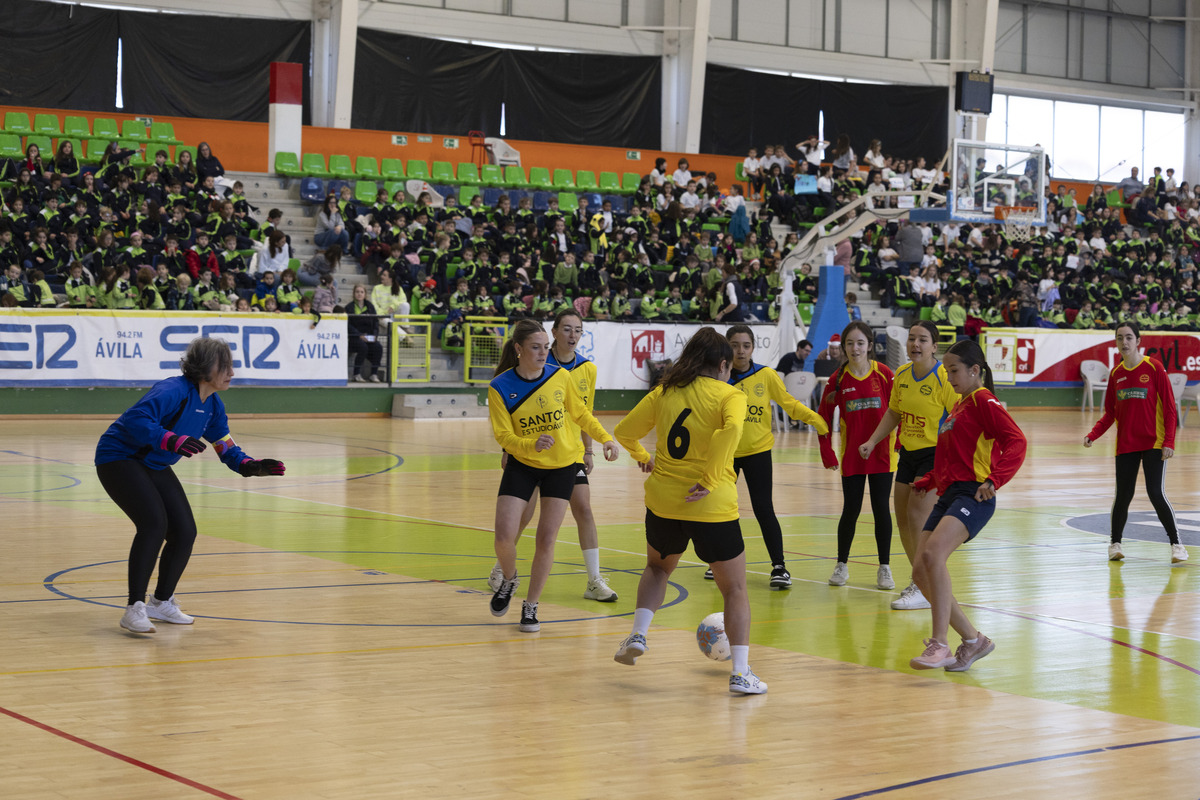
point(343, 648)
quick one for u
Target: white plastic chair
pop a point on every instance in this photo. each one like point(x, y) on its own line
point(1190, 395)
point(1095, 377)
point(1178, 385)
point(801, 386)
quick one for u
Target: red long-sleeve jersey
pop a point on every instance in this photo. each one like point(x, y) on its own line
point(1142, 403)
point(979, 441)
point(862, 403)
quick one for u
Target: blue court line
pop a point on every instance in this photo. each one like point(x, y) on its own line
point(48, 583)
point(39, 458)
point(1023, 762)
point(55, 489)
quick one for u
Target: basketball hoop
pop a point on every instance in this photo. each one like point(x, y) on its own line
point(1018, 222)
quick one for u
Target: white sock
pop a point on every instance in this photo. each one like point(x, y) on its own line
point(971, 641)
point(642, 617)
point(741, 658)
point(591, 560)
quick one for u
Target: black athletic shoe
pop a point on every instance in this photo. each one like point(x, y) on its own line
point(529, 620)
point(503, 596)
point(780, 579)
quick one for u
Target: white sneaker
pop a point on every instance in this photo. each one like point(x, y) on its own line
point(841, 574)
point(633, 646)
point(1179, 553)
point(496, 578)
point(599, 591)
point(359, 379)
point(1115, 553)
point(746, 683)
point(167, 611)
point(883, 577)
point(135, 619)
point(374, 378)
point(910, 599)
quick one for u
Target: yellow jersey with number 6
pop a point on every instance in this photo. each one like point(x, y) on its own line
point(698, 428)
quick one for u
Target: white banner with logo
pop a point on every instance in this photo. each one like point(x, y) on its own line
point(61, 347)
point(622, 350)
point(1049, 357)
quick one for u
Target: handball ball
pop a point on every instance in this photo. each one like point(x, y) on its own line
point(711, 638)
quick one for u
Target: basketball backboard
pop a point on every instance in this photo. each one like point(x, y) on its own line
point(986, 175)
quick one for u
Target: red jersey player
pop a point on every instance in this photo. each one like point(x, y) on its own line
point(979, 449)
point(860, 390)
point(1142, 403)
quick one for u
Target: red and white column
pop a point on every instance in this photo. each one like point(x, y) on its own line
point(287, 98)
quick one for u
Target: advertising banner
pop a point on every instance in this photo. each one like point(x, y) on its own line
point(1047, 357)
point(137, 348)
point(623, 350)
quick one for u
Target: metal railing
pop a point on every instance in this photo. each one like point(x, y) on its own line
point(483, 339)
point(410, 338)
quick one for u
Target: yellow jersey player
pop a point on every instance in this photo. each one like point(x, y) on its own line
point(566, 332)
point(921, 398)
point(690, 494)
point(529, 402)
point(762, 386)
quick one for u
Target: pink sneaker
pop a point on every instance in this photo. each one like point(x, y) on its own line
point(967, 654)
point(936, 656)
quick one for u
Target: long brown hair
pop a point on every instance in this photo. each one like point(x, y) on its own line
point(705, 351)
point(520, 334)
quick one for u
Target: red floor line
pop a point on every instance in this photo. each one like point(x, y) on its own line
point(119, 756)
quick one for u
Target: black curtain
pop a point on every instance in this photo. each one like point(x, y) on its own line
point(199, 66)
point(744, 109)
point(413, 84)
point(57, 56)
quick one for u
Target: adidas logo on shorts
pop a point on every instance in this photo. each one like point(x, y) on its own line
point(581, 474)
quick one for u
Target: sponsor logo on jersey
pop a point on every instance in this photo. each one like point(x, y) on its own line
point(759, 390)
point(947, 426)
point(864, 404)
point(926, 389)
point(1136, 393)
point(512, 396)
point(558, 395)
point(541, 401)
point(583, 386)
point(1144, 378)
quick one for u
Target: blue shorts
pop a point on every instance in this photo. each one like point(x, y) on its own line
point(959, 502)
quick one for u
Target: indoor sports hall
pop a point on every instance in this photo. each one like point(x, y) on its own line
point(342, 645)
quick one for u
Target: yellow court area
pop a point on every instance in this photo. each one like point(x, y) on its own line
point(343, 646)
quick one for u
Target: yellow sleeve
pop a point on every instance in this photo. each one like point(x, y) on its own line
point(725, 440)
point(636, 424)
point(590, 373)
point(894, 400)
point(502, 428)
point(794, 408)
point(950, 397)
point(579, 412)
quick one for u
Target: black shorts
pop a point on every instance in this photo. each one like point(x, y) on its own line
point(580, 474)
point(959, 502)
point(521, 479)
point(712, 541)
point(914, 464)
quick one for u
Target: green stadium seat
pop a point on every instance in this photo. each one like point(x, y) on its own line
point(514, 175)
point(46, 124)
point(738, 172)
point(585, 180)
point(391, 169)
point(443, 172)
point(563, 179)
point(630, 182)
point(926, 311)
point(341, 167)
point(17, 122)
point(539, 178)
point(163, 133)
point(367, 168)
point(610, 183)
point(314, 164)
point(392, 187)
point(468, 192)
point(288, 165)
point(568, 202)
point(10, 146)
point(105, 128)
point(45, 147)
point(491, 175)
point(133, 130)
point(468, 173)
point(418, 170)
point(365, 191)
point(95, 150)
point(76, 126)
point(139, 156)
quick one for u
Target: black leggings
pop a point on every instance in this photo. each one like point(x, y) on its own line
point(1155, 470)
point(852, 497)
point(759, 481)
point(154, 500)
